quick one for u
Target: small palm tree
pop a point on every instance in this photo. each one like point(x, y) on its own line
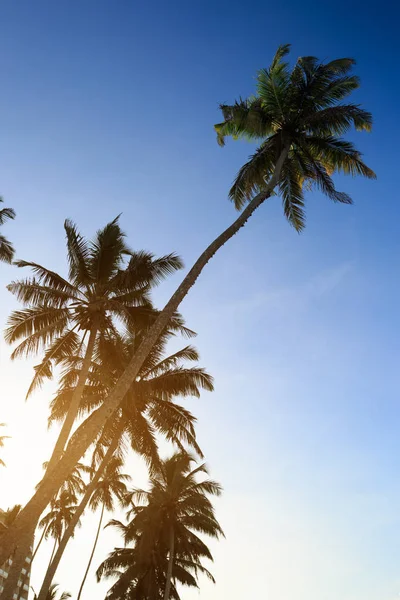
point(6, 248)
point(111, 487)
point(61, 511)
point(52, 594)
point(73, 486)
point(2, 438)
point(164, 531)
point(107, 283)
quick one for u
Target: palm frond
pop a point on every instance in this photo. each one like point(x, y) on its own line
point(7, 250)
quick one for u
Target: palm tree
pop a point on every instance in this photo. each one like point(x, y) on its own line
point(74, 484)
point(73, 487)
point(164, 531)
point(148, 410)
point(6, 248)
point(52, 593)
point(61, 511)
point(111, 487)
point(2, 438)
point(107, 282)
point(300, 115)
point(8, 516)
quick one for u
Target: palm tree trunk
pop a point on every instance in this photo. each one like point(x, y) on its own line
point(39, 543)
point(53, 566)
point(171, 558)
point(26, 521)
point(75, 402)
point(54, 549)
point(92, 554)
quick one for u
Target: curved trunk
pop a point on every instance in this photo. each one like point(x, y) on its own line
point(75, 402)
point(86, 433)
point(171, 558)
point(92, 553)
point(53, 566)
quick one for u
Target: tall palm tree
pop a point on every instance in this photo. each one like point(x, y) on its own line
point(52, 593)
point(111, 487)
point(6, 248)
point(302, 117)
point(61, 511)
point(2, 438)
point(107, 282)
point(164, 531)
point(148, 410)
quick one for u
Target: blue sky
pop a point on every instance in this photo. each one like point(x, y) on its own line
point(108, 107)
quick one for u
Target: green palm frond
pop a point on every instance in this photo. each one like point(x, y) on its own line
point(253, 175)
point(301, 110)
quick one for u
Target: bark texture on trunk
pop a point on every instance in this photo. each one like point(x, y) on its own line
point(53, 566)
point(86, 433)
point(75, 402)
point(92, 554)
point(170, 568)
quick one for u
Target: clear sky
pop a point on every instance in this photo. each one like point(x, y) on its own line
point(108, 107)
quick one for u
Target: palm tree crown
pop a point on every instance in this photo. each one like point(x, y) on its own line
point(61, 511)
point(107, 282)
point(149, 407)
point(111, 487)
point(8, 516)
point(299, 110)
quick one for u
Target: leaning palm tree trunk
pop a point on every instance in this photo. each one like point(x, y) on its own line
point(53, 566)
point(85, 434)
point(25, 579)
point(170, 564)
point(38, 544)
point(75, 402)
point(92, 553)
point(54, 549)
